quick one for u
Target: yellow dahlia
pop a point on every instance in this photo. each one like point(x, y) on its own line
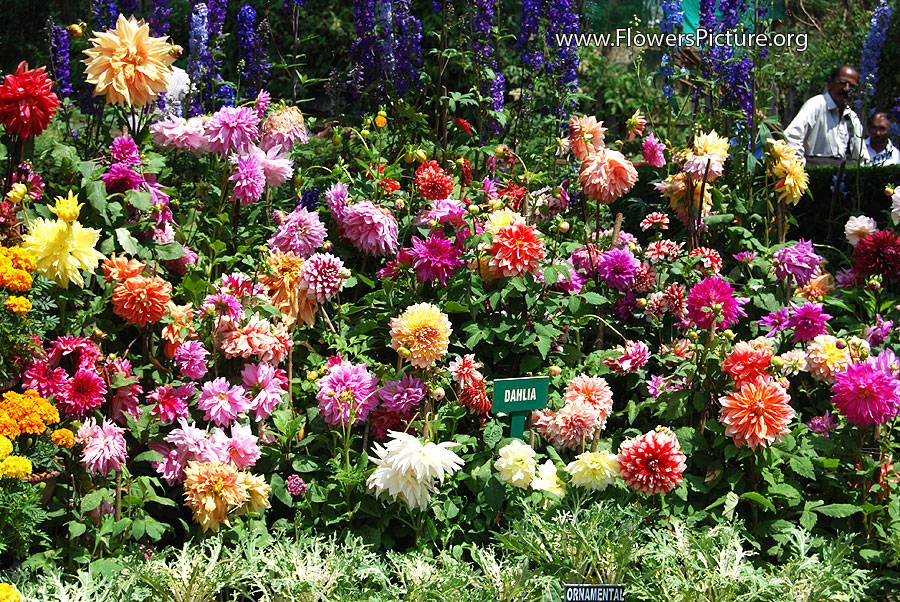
point(826, 356)
point(211, 491)
point(67, 208)
point(594, 470)
point(502, 217)
point(62, 250)
point(424, 330)
point(128, 65)
point(781, 153)
point(257, 492)
point(711, 144)
point(15, 467)
point(793, 184)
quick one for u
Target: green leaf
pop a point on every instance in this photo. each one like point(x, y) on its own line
point(550, 275)
point(280, 491)
point(837, 510)
point(716, 220)
point(785, 490)
point(172, 250)
point(120, 526)
point(138, 528)
point(139, 199)
point(803, 466)
point(149, 456)
point(808, 520)
point(731, 502)
point(493, 432)
point(91, 501)
point(759, 499)
point(543, 344)
point(452, 307)
point(76, 529)
point(128, 242)
point(494, 493)
point(96, 195)
point(594, 298)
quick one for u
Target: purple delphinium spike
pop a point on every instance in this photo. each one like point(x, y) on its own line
point(59, 60)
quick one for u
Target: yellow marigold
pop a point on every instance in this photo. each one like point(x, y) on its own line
point(6, 447)
point(67, 208)
point(212, 490)
point(793, 184)
point(63, 438)
point(827, 356)
point(62, 250)
point(9, 594)
point(18, 305)
point(15, 467)
point(128, 65)
point(711, 144)
point(424, 330)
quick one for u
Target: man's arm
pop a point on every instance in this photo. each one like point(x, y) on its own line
point(795, 133)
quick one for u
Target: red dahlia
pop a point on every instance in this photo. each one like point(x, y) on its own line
point(879, 253)
point(465, 125)
point(475, 398)
point(432, 182)
point(27, 102)
point(653, 462)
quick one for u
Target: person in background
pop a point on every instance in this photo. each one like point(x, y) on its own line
point(879, 148)
point(826, 131)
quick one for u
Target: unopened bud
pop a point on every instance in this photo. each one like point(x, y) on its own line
point(336, 140)
point(403, 352)
point(555, 371)
point(437, 394)
point(176, 51)
point(75, 30)
point(889, 190)
point(729, 334)
point(421, 156)
point(563, 227)
point(312, 375)
point(777, 363)
point(399, 205)
point(364, 133)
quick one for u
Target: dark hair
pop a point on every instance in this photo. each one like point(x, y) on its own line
point(837, 71)
point(875, 113)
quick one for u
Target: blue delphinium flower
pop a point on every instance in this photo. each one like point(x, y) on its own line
point(309, 199)
point(255, 67)
point(562, 19)
point(159, 18)
point(529, 32)
point(491, 87)
point(59, 60)
point(364, 50)
point(199, 61)
point(408, 49)
point(871, 53)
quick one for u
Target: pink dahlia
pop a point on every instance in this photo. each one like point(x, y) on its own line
point(635, 355)
point(652, 149)
point(797, 262)
point(243, 446)
point(712, 302)
point(249, 180)
point(125, 398)
point(465, 370)
point(572, 426)
point(370, 228)
point(434, 258)
point(402, 395)
point(222, 402)
point(176, 132)
point(337, 196)
point(709, 259)
point(266, 386)
point(865, 394)
point(223, 304)
point(618, 268)
point(606, 175)
point(171, 402)
point(103, 447)
point(593, 391)
point(347, 394)
point(322, 277)
point(85, 391)
point(517, 249)
point(807, 320)
point(125, 151)
point(652, 463)
point(444, 211)
point(121, 178)
point(277, 167)
point(44, 379)
point(232, 129)
point(284, 128)
point(586, 136)
point(191, 359)
point(299, 232)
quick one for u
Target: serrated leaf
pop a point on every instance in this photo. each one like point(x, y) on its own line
point(759, 499)
point(543, 344)
point(128, 242)
point(837, 510)
point(96, 195)
point(139, 199)
point(172, 250)
point(784, 490)
point(149, 456)
point(91, 501)
point(493, 432)
point(803, 466)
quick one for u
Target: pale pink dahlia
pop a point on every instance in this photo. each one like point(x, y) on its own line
point(606, 175)
point(243, 446)
point(322, 277)
point(249, 180)
point(266, 386)
point(299, 232)
point(370, 228)
point(277, 167)
point(103, 447)
point(222, 402)
point(232, 129)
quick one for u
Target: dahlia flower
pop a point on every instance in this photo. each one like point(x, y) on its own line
point(711, 302)
point(370, 228)
point(424, 331)
point(402, 395)
point(793, 184)
point(171, 402)
point(322, 277)
point(83, 392)
point(758, 414)
point(516, 249)
point(103, 447)
point(190, 357)
point(432, 182)
point(700, 167)
point(822, 425)
point(128, 65)
point(652, 150)
point(652, 463)
point(748, 360)
point(435, 258)
point(474, 397)
point(502, 217)
point(257, 337)
point(865, 394)
point(444, 211)
point(221, 402)
point(214, 490)
point(27, 101)
point(465, 370)
point(808, 321)
point(284, 128)
point(858, 227)
point(407, 469)
point(140, 300)
point(635, 355)
point(606, 175)
point(347, 394)
point(879, 253)
point(547, 479)
point(116, 269)
point(826, 356)
point(618, 268)
point(299, 232)
point(798, 261)
point(266, 386)
point(283, 289)
point(572, 426)
point(62, 250)
point(243, 448)
point(516, 464)
point(586, 136)
point(594, 470)
point(277, 167)
point(249, 180)
point(295, 485)
point(656, 219)
point(232, 129)
point(176, 132)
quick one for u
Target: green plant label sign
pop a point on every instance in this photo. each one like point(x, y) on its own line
point(586, 592)
point(519, 396)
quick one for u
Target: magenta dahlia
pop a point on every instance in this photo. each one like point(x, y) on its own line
point(434, 258)
point(347, 394)
point(712, 301)
point(865, 394)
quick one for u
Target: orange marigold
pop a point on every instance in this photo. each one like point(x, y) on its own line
point(18, 305)
point(25, 413)
point(141, 300)
point(758, 414)
point(120, 268)
point(63, 438)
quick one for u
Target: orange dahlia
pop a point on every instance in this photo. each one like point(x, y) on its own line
point(748, 360)
point(212, 490)
point(516, 249)
point(128, 65)
point(758, 414)
point(593, 391)
point(586, 136)
point(120, 268)
point(282, 288)
point(141, 300)
point(424, 330)
point(606, 175)
point(182, 317)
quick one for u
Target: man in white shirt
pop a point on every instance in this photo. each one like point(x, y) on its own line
point(826, 130)
point(879, 148)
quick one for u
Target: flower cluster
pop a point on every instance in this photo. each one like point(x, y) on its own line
point(588, 404)
point(25, 413)
point(215, 490)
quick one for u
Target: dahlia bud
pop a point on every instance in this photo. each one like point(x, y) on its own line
point(312, 375)
point(403, 352)
point(889, 190)
point(382, 114)
point(17, 193)
point(841, 344)
point(75, 30)
point(364, 133)
point(555, 371)
point(399, 205)
point(692, 335)
point(563, 227)
point(433, 223)
point(729, 334)
point(336, 140)
point(409, 157)
point(437, 394)
point(176, 51)
point(298, 180)
point(328, 246)
point(557, 192)
point(421, 155)
point(776, 362)
point(474, 209)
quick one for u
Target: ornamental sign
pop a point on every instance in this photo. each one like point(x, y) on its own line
point(519, 396)
point(585, 592)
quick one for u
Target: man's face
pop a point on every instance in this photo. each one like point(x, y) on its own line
point(879, 130)
point(841, 87)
